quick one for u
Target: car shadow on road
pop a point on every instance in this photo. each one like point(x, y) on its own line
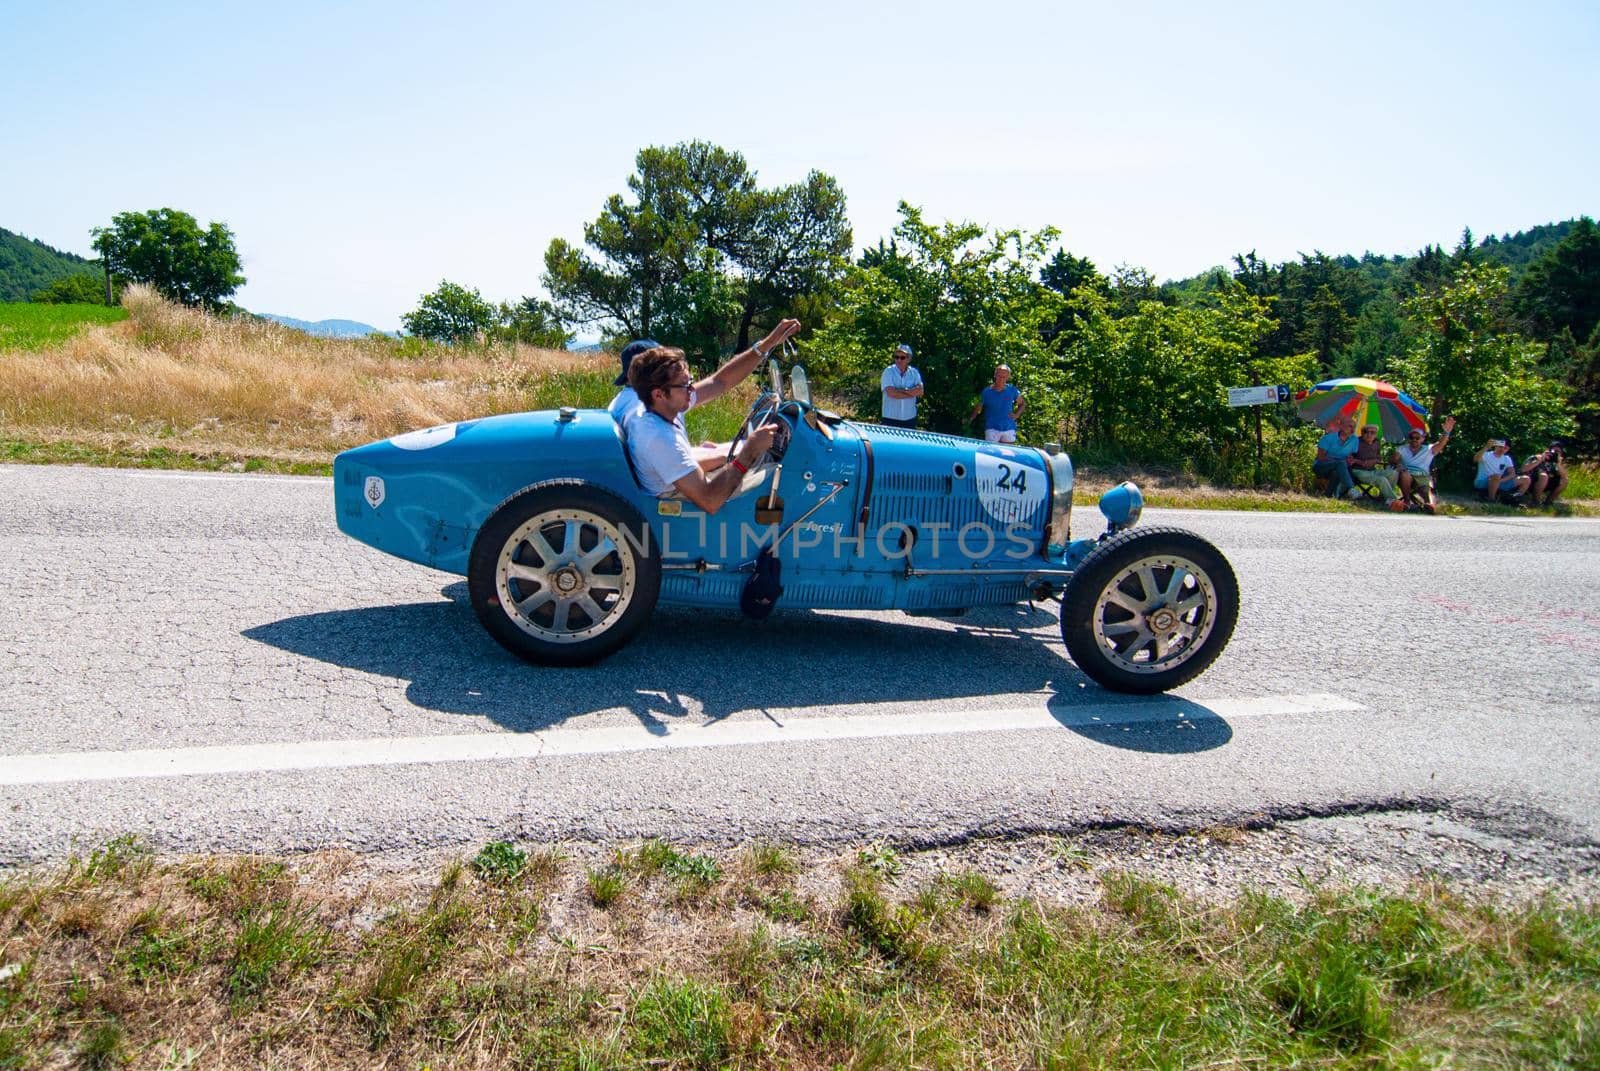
point(1163, 725)
point(703, 666)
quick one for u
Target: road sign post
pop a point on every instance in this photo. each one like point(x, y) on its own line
point(1256, 397)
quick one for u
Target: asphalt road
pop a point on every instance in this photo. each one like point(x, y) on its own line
point(181, 623)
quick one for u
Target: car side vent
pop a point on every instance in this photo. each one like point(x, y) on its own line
point(882, 431)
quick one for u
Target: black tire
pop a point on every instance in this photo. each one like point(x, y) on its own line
point(566, 605)
point(1147, 632)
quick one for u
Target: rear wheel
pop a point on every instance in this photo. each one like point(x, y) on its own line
point(1149, 609)
point(564, 574)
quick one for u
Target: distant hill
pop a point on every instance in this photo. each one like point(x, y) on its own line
point(27, 266)
point(1515, 251)
point(326, 328)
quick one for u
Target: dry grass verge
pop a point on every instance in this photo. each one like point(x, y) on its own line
point(656, 956)
point(173, 379)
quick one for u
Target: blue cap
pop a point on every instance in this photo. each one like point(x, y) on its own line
point(629, 352)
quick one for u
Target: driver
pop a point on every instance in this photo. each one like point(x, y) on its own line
point(657, 439)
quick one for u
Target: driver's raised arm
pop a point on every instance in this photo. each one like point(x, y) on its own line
point(711, 492)
point(741, 365)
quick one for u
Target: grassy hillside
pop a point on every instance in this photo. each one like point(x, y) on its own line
point(178, 388)
point(25, 326)
point(27, 265)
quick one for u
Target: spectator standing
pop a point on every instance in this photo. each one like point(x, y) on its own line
point(1548, 471)
point(1334, 453)
point(1497, 473)
point(1001, 404)
point(1416, 462)
point(1368, 470)
point(901, 386)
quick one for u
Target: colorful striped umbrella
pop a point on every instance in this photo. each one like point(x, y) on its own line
point(1366, 401)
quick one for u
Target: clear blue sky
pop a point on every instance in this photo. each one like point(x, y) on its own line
point(363, 152)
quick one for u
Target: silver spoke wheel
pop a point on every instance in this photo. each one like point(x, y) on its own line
point(566, 575)
point(1155, 613)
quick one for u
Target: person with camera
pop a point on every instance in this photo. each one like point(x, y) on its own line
point(1548, 475)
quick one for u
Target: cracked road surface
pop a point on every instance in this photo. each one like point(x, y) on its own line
point(204, 660)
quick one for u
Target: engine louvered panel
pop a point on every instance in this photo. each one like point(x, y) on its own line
point(877, 432)
point(855, 596)
point(955, 511)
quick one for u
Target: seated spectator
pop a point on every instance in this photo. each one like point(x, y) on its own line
point(1368, 470)
point(1548, 471)
point(1415, 460)
point(1497, 474)
point(1334, 451)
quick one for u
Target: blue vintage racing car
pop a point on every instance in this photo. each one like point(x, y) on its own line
point(566, 556)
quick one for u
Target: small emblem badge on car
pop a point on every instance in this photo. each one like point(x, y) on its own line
point(373, 491)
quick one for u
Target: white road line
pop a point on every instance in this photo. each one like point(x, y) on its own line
point(480, 747)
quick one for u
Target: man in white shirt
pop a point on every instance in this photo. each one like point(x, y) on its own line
point(902, 386)
point(658, 442)
point(1416, 459)
point(1497, 473)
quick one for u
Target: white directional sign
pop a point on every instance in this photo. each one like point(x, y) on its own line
point(1256, 395)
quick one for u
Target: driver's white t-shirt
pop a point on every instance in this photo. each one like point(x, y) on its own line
point(660, 450)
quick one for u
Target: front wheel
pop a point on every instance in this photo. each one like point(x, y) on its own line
point(1149, 609)
point(564, 574)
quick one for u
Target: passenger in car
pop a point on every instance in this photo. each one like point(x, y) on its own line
point(626, 405)
point(658, 441)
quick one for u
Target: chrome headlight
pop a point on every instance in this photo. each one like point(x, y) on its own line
point(1122, 505)
point(1059, 534)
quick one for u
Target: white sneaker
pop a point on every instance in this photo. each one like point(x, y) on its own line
point(1353, 494)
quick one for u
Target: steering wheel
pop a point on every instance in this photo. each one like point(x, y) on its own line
point(762, 413)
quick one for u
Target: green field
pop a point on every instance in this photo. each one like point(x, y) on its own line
point(26, 326)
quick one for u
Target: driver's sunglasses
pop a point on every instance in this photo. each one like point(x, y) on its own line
point(902, 356)
point(685, 385)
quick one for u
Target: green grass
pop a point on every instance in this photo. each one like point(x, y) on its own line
point(499, 862)
point(27, 452)
point(273, 939)
point(1583, 480)
point(945, 972)
point(26, 326)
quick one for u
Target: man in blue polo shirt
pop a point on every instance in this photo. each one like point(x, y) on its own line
point(1000, 405)
point(1334, 451)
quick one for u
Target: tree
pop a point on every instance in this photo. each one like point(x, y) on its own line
point(451, 314)
point(1065, 273)
point(1467, 361)
point(168, 249)
point(1326, 326)
point(1561, 290)
point(699, 242)
point(965, 300)
point(73, 290)
point(1152, 383)
point(534, 322)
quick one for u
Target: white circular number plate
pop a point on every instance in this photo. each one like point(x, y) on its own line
point(427, 437)
point(1009, 490)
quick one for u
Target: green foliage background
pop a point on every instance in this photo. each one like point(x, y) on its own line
point(28, 266)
